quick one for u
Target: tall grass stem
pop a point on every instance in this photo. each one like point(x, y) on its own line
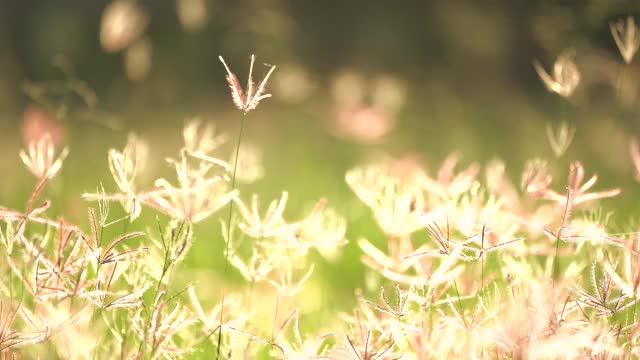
point(226, 251)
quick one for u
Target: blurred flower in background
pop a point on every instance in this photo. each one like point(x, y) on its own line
point(560, 138)
point(192, 14)
point(37, 123)
point(565, 76)
point(137, 59)
point(122, 27)
point(365, 111)
point(250, 168)
point(627, 37)
point(122, 22)
point(293, 83)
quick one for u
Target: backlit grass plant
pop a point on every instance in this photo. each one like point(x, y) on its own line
point(468, 262)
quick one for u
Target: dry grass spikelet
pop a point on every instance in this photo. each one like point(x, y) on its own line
point(565, 76)
point(249, 98)
point(626, 34)
point(41, 157)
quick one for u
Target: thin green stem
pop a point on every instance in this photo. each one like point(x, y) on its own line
point(482, 296)
point(556, 261)
point(143, 343)
point(482, 284)
point(455, 286)
point(226, 252)
point(464, 321)
point(555, 270)
point(250, 301)
point(482, 260)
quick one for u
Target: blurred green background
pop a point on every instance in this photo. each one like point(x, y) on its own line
point(432, 76)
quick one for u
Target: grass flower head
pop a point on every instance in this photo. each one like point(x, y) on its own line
point(565, 76)
point(41, 157)
point(626, 34)
point(249, 100)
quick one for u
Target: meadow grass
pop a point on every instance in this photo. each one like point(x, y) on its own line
point(185, 255)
